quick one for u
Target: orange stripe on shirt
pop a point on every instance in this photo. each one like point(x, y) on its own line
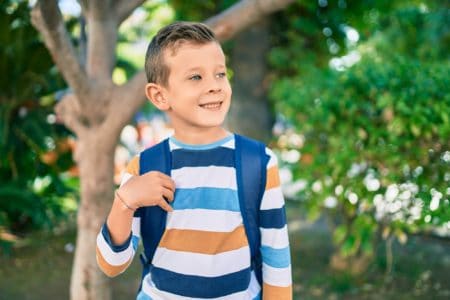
point(205, 242)
point(108, 269)
point(133, 166)
point(273, 178)
point(271, 292)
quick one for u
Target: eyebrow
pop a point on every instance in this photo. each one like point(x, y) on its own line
point(200, 68)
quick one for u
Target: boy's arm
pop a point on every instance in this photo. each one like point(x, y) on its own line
point(118, 239)
point(276, 269)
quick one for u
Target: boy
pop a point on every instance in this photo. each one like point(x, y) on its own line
point(204, 252)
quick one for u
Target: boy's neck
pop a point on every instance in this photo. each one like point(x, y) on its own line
point(201, 138)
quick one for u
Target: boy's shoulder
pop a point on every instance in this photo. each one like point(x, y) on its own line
point(248, 140)
point(268, 151)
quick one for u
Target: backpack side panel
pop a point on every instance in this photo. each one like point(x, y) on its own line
point(251, 161)
point(153, 218)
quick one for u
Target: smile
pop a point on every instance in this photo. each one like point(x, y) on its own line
point(212, 105)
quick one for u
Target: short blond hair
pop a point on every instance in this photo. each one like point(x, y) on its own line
point(171, 37)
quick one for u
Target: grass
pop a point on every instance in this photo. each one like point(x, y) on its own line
point(40, 269)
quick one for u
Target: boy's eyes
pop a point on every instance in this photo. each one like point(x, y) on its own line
point(197, 77)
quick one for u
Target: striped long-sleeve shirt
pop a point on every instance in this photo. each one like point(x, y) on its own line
point(204, 251)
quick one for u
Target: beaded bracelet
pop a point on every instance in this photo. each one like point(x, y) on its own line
point(123, 201)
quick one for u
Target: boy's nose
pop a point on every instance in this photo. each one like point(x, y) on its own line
point(215, 86)
point(215, 89)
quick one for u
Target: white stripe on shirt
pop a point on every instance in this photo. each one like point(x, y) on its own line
point(277, 276)
point(126, 176)
point(212, 176)
point(201, 219)
point(275, 238)
point(272, 198)
point(136, 226)
point(200, 264)
point(273, 158)
point(111, 257)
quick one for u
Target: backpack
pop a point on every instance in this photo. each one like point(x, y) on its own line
point(250, 162)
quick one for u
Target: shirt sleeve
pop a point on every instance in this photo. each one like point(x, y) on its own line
point(276, 257)
point(115, 259)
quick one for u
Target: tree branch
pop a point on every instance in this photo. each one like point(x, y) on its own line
point(68, 110)
point(84, 5)
point(46, 18)
point(129, 97)
point(102, 35)
point(125, 8)
point(241, 15)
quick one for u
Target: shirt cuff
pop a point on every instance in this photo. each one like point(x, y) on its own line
point(107, 237)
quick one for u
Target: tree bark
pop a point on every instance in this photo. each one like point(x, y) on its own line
point(250, 110)
point(243, 14)
point(96, 169)
point(47, 19)
point(102, 32)
point(98, 110)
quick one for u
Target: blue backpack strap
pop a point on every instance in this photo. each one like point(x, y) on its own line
point(153, 218)
point(251, 160)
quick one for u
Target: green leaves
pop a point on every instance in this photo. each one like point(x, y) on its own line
point(384, 119)
point(29, 139)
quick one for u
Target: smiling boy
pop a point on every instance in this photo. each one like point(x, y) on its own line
point(204, 251)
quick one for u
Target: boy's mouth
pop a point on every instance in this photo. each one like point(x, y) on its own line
point(212, 105)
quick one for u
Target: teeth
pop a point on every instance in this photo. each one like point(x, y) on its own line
point(211, 105)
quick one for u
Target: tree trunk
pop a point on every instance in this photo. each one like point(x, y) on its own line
point(96, 173)
point(250, 112)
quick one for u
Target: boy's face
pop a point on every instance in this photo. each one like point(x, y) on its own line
point(198, 93)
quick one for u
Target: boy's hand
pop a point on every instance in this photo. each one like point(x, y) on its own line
point(152, 188)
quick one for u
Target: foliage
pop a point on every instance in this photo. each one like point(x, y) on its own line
point(372, 125)
point(134, 35)
point(199, 10)
point(136, 32)
point(34, 149)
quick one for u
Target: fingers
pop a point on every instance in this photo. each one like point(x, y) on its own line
point(162, 187)
point(164, 205)
point(168, 194)
point(166, 181)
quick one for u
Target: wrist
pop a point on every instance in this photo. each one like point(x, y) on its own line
point(125, 203)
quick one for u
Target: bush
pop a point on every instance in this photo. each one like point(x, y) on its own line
point(374, 129)
point(34, 149)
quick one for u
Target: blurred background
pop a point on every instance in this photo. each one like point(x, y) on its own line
point(353, 96)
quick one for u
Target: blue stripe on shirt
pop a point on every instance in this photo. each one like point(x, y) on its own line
point(115, 248)
point(206, 198)
point(143, 296)
point(199, 286)
point(135, 241)
point(272, 218)
point(277, 258)
point(208, 146)
point(221, 157)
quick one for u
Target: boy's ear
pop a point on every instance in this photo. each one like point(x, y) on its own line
point(155, 95)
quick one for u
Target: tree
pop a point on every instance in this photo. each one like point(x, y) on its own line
point(250, 112)
point(97, 109)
